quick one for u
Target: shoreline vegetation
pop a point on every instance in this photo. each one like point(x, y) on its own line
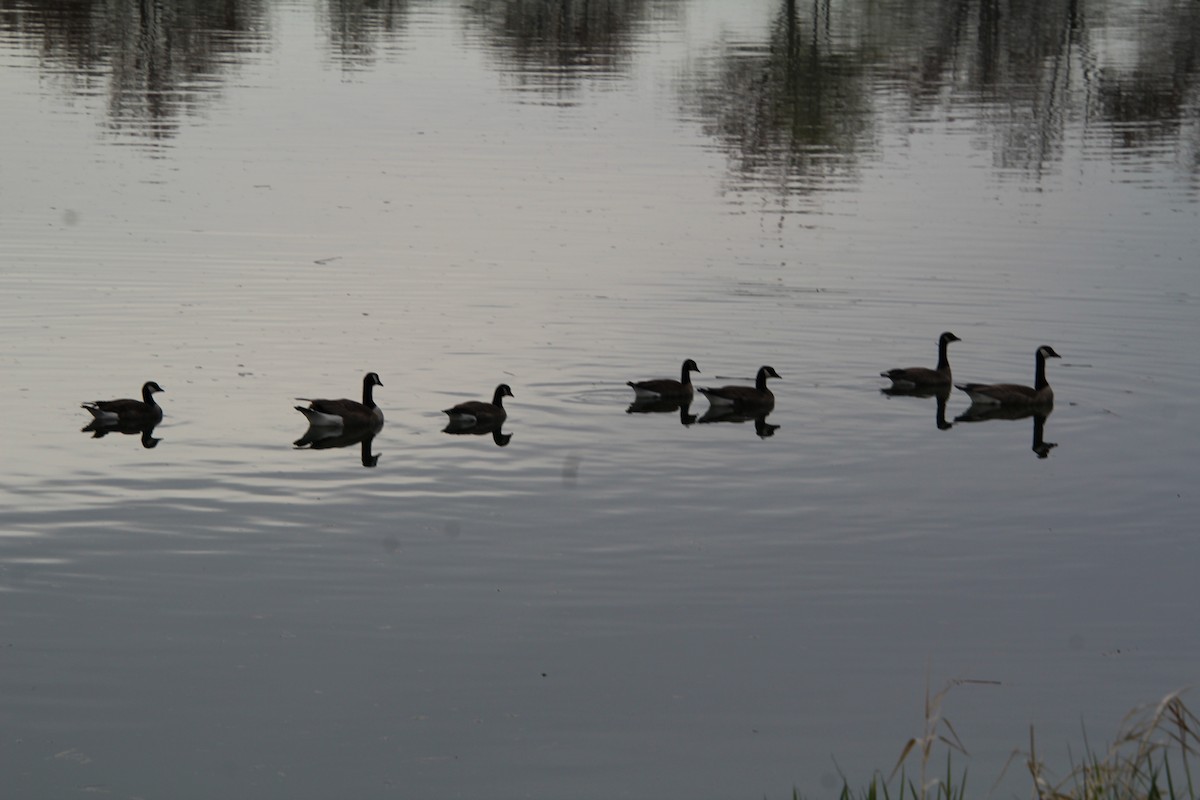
point(1151, 758)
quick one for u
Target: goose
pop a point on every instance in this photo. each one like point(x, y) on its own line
point(1013, 394)
point(923, 377)
point(666, 388)
point(757, 396)
point(477, 412)
point(128, 412)
point(343, 413)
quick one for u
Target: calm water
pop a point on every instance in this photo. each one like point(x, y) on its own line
point(250, 202)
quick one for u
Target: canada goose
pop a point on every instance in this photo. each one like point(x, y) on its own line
point(745, 397)
point(342, 413)
point(666, 388)
point(477, 412)
point(1013, 394)
point(126, 411)
point(923, 377)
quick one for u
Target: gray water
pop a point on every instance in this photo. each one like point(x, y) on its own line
point(250, 202)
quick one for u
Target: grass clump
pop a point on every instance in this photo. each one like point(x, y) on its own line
point(1152, 758)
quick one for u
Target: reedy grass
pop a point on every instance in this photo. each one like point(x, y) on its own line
point(1151, 759)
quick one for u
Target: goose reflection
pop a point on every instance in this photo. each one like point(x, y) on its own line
point(319, 437)
point(99, 429)
point(762, 428)
point(940, 394)
point(982, 413)
point(466, 428)
point(664, 407)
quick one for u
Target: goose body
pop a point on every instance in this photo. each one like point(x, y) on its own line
point(344, 412)
point(666, 388)
point(1015, 394)
point(923, 377)
point(477, 412)
point(757, 396)
point(127, 411)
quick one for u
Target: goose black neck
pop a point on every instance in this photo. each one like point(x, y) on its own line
point(498, 398)
point(1040, 381)
point(368, 393)
point(760, 382)
point(685, 376)
point(943, 354)
point(147, 395)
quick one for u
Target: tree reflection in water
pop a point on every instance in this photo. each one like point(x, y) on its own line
point(796, 110)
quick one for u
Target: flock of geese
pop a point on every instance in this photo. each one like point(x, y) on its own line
point(988, 400)
point(1013, 395)
point(336, 423)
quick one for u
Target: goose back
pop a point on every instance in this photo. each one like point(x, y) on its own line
point(127, 411)
point(923, 377)
point(477, 412)
point(1015, 394)
point(757, 396)
point(667, 388)
point(345, 412)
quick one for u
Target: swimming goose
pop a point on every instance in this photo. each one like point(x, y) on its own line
point(1013, 394)
point(757, 396)
point(477, 412)
point(341, 413)
point(666, 388)
point(921, 377)
point(128, 412)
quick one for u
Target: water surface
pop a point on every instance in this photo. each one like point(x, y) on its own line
point(254, 202)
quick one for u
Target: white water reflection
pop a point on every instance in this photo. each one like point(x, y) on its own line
point(611, 603)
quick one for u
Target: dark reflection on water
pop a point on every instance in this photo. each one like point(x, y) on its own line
point(323, 438)
point(1150, 102)
point(982, 413)
point(940, 396)
point(358, 29)
point(796, 110)
point(553, 47)
point(499, 437)
point(99, 430)
point(683, 409)
point(791, 111)
point(762, 428)
point(155, 61)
